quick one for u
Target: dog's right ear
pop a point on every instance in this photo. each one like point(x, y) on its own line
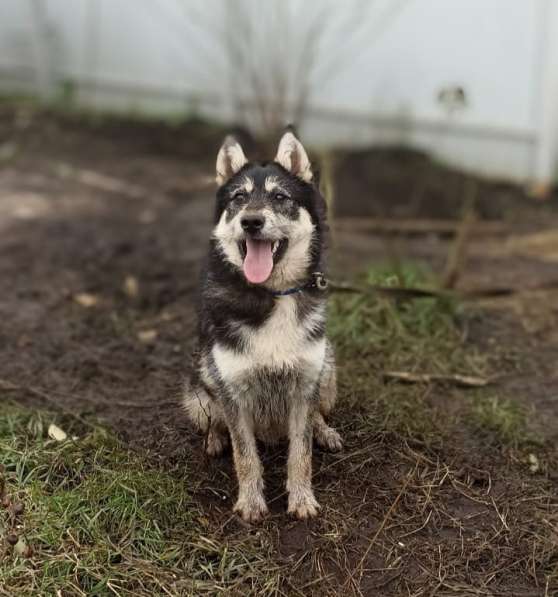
point(230, 160)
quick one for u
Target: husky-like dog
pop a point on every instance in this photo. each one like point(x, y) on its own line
point(264, 368)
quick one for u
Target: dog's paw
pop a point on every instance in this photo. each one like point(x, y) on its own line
point(303, 504)
point(329, 439)
point(216, 443)
point(251, 509)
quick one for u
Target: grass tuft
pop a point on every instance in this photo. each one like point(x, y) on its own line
point(374, 334)
point(371, 325)
point(502, 418)
point(95, 518)
point(100, 521)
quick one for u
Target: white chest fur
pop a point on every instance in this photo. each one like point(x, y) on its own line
point(282, 341)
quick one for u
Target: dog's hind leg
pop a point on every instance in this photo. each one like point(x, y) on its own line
point(328, 383)
point(326, 437)
point(216, 441)
point(208, 417)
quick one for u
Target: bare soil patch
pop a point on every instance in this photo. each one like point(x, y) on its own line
point(103, 229)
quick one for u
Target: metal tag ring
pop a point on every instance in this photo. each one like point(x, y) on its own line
point(321, 281)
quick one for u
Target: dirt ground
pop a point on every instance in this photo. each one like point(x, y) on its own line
point(103, 227)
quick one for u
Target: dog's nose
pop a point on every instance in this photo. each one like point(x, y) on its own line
point(252, 224)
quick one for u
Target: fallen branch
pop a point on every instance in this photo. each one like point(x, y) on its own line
point(418, 226)
point(467, 381)
point(390, 291)
point(496, 291)
point(400, 292)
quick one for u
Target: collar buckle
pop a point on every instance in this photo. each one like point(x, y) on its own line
point(318, 281)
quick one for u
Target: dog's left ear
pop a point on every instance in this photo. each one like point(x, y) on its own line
point(230, 160)
point(292, 156)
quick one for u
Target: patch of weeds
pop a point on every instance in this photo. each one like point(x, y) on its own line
point(374, 334)
point(99, 520)
point(394, 330)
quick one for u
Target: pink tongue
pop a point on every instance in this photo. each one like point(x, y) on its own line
point(258, 262)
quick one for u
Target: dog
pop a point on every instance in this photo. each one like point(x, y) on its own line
point(264, 368)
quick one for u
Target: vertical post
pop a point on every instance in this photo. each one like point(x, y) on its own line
point(545, 103)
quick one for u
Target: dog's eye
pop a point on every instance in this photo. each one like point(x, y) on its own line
point(280, 196)
point(239, 196)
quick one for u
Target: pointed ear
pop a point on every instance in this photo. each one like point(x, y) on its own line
point(230, 160)
point(292, 156)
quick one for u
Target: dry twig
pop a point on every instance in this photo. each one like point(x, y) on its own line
point(421, 226)
point(466, 381)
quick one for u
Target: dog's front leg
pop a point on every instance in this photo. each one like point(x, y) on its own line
point(302, 502)
point(251, 502)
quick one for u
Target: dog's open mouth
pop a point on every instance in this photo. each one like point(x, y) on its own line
point(259, 257)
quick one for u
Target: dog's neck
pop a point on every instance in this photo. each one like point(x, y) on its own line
point(316, 281)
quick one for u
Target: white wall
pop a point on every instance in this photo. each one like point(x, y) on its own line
point(160, 55)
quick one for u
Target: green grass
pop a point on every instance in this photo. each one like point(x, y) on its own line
point(100, 521)
point(503, 419)
point(412, 332)
point(374, 334)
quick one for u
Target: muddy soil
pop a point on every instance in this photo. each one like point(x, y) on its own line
point(103, 229)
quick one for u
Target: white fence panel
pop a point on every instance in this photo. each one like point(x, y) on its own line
point(172, 55)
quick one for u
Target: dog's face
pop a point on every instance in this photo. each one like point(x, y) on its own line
point(268, 214)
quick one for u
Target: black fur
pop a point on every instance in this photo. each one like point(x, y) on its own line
point(227, 299)
point(264, 367)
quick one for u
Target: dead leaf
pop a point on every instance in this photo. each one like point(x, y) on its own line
point(86, 300)
point(147, 336)
point(131, 286)
point(54, 432)
point(21, 547)
point(534, 464)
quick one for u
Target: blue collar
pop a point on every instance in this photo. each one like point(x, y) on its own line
point(318, 280)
